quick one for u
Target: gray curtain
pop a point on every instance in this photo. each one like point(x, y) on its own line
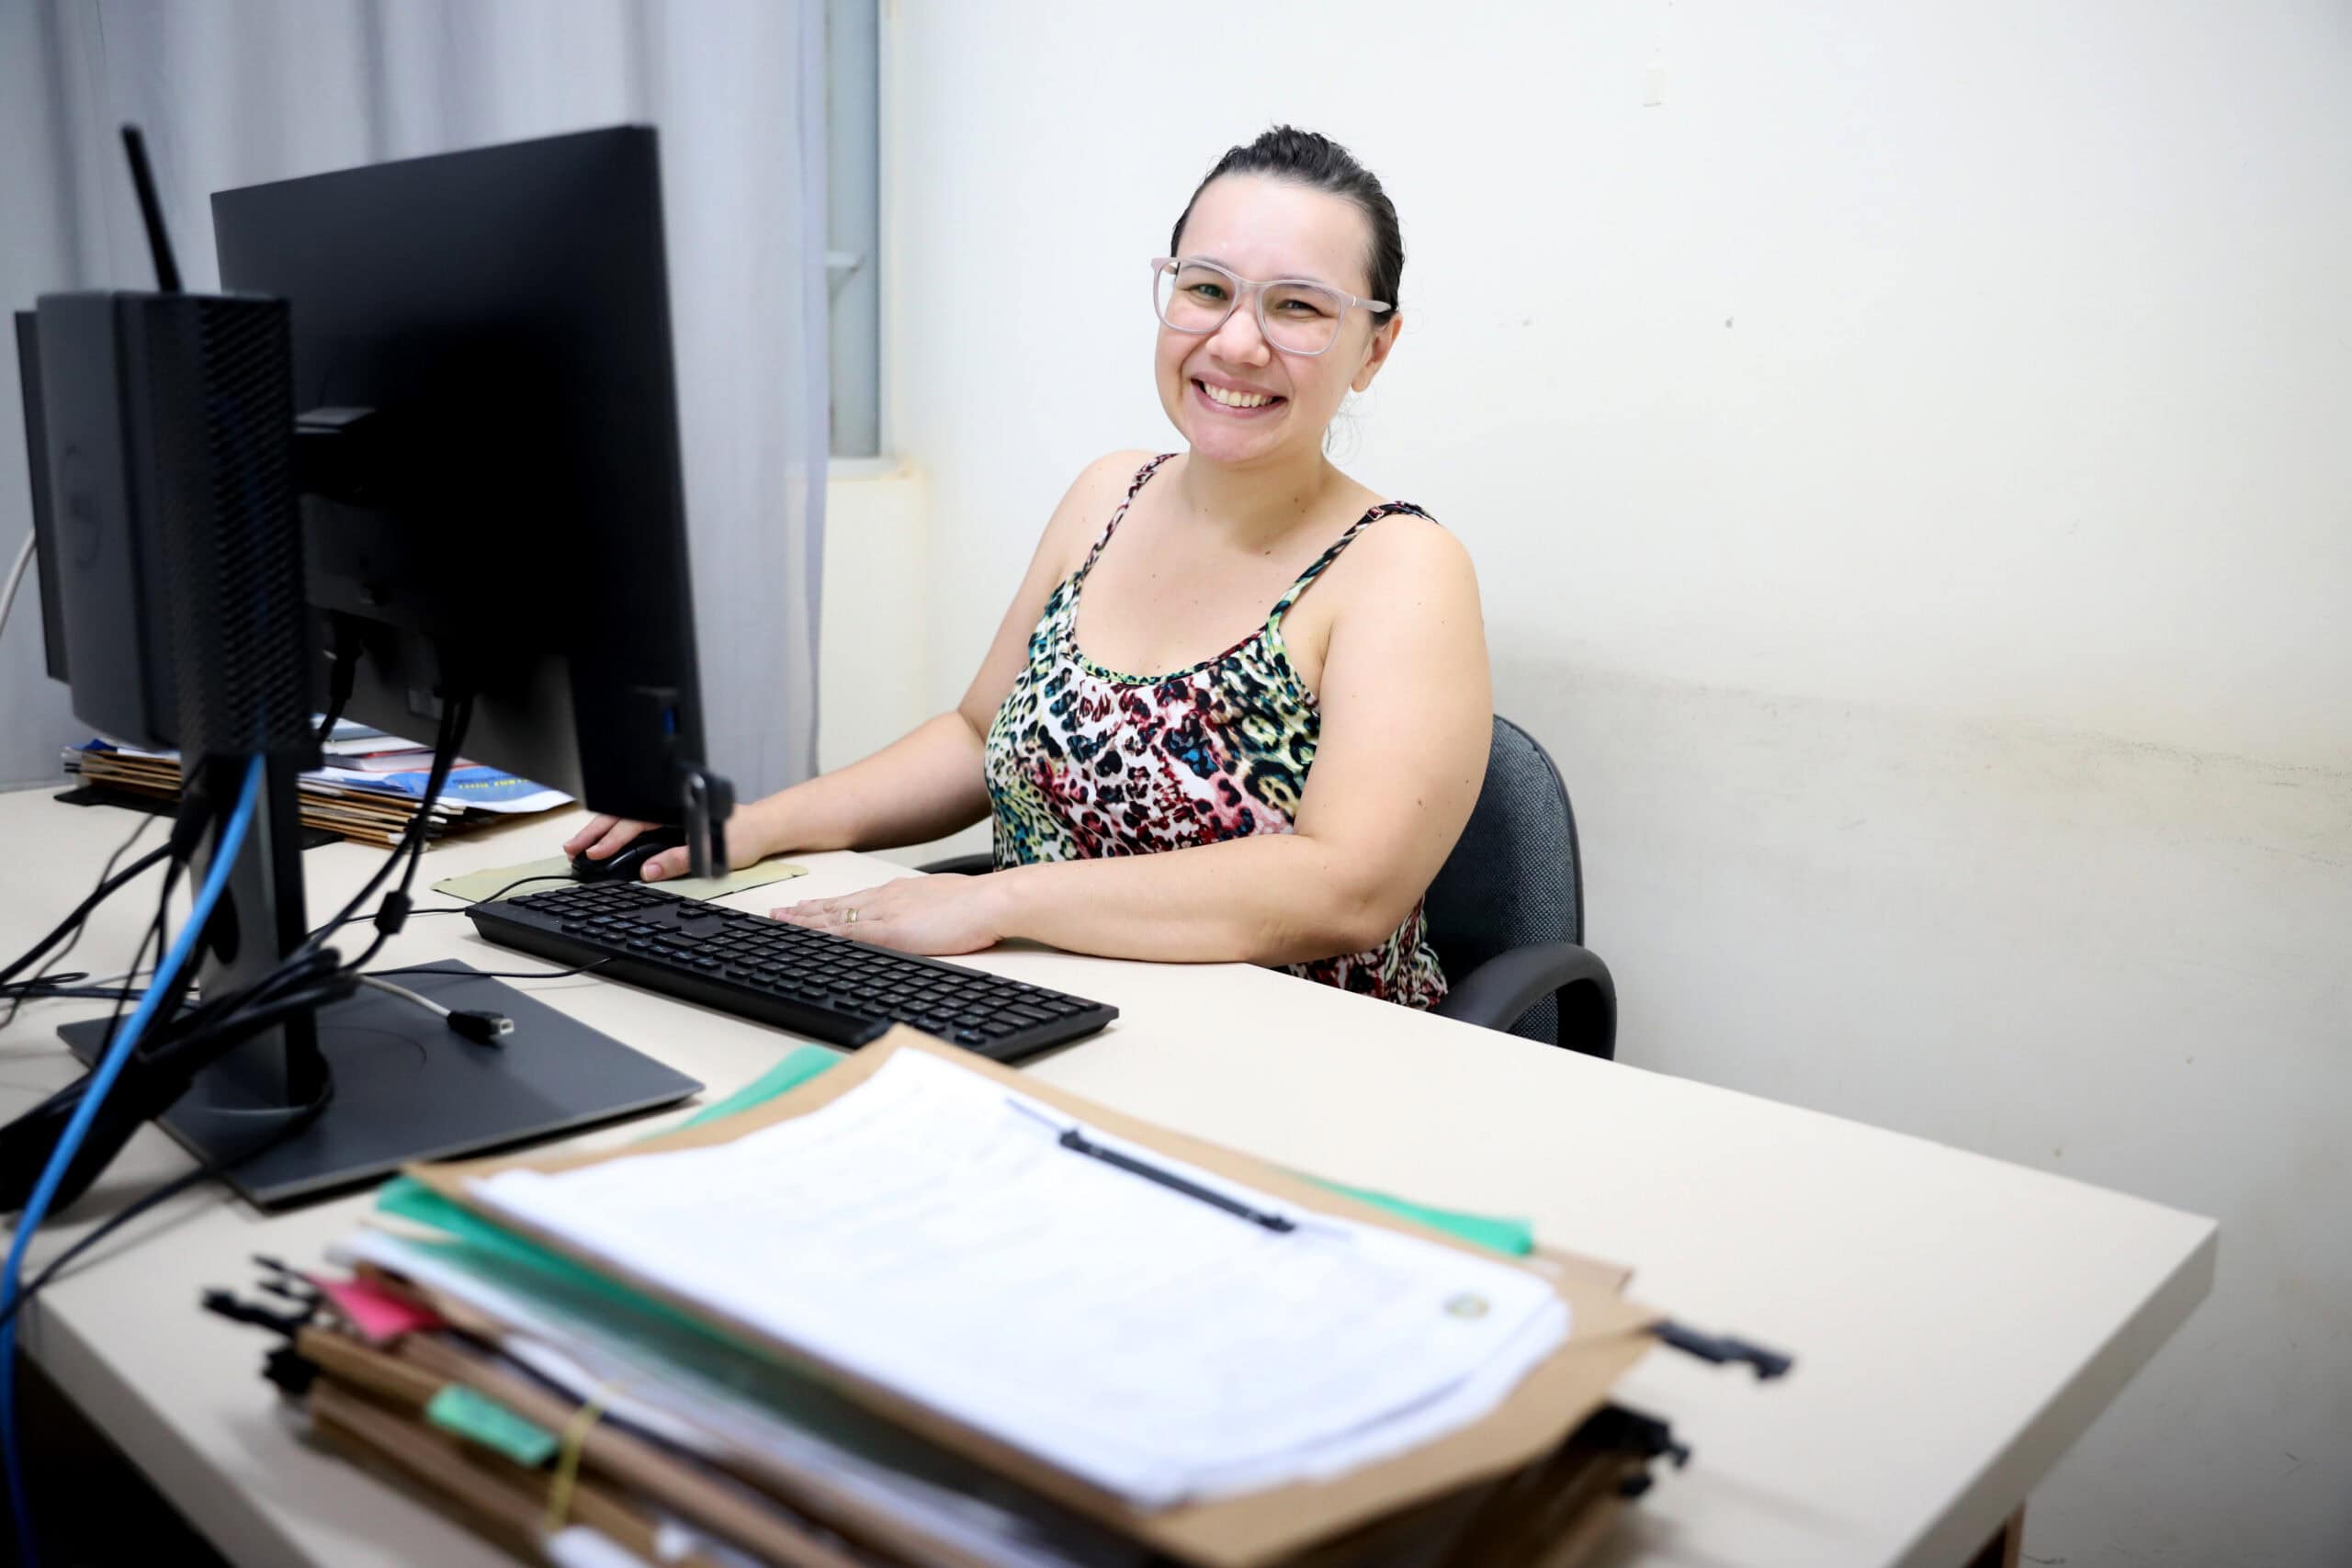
point(232, 92)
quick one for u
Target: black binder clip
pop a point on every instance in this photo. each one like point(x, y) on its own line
point(224, 1303)
point(1645, 1438)
point(292, 1372)
point(289, 1285)
point(1725, 1351)
point(286, 1284)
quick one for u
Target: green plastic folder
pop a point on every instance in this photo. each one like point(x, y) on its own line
point(803, 1062)
point(1513, 1239)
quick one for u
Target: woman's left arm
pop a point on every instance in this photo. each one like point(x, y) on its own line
point(1407, 714)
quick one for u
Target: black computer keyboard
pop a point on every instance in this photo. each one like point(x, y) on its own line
point(809, 982)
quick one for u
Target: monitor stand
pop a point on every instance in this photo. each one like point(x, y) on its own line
point(406, 1088)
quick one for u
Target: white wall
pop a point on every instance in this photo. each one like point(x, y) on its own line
point(873, 647)
point(1909, 471)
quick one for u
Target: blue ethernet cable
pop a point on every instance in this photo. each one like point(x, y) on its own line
point(60, 1159)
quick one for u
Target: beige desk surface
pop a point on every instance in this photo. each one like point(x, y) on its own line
point(1957, 1321)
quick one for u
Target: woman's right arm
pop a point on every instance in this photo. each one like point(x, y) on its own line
point(926, 785)
point(931, 782)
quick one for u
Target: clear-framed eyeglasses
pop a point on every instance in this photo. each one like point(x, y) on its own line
point(1297, 315)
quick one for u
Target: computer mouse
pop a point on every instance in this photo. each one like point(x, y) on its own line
point(627, 863)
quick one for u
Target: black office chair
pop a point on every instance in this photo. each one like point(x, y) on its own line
point(1506, 913)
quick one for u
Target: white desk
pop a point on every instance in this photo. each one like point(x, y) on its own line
point(1957, 1321)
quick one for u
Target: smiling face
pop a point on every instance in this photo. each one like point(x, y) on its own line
point(1236, 399)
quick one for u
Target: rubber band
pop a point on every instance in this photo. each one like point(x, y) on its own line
point(567, 1464)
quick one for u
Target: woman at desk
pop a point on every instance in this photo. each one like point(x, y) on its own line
point(1285, 789)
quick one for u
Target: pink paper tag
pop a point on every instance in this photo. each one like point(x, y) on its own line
point(376, 1313)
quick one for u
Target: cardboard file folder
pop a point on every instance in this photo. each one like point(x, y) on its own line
point(368, 1402)
point(1608, 1334)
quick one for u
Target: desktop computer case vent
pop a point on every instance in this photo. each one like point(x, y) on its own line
point(220, 406)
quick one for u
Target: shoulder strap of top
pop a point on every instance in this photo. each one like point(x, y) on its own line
point(1307, 579)
point(1142, 477)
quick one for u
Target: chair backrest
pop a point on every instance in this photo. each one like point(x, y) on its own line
point(1514, 878)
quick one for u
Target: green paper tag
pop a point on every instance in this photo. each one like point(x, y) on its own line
point(478, 1418)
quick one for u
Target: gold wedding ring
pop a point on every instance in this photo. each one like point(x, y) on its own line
point(853, 914)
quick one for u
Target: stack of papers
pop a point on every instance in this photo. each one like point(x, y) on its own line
point(371, 786)
point(671, 1383)
point(1115, 1327)
point(912, 1308)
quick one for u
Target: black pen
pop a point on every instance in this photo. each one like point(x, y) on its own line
point(1078, 1142)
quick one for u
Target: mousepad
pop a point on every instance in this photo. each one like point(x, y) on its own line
point(475, 885)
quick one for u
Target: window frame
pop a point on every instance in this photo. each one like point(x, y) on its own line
point(853, 231)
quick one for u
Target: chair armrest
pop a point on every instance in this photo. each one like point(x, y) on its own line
point(960, 865)
point(1499, 992)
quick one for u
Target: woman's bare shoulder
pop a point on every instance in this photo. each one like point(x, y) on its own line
point(1406, 544)
point(1112, 474)
point(1087, 505)
point(1408, 581)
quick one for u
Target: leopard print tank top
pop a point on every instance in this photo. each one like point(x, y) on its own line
point(1083, 761)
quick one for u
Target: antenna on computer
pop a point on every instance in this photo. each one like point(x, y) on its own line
point(167, 271)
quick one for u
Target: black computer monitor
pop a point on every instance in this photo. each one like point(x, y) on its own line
point(461, 365)
point(489, 448)
point(53, 621)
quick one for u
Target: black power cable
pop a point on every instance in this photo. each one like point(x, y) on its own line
point(456, 718)
point(156, 1075)
point(343, 662)
point(32, 988)
point(456, 713)
point(73, 922)
point(456, 909)
point(27, 1139)
point(182, 1042)
point(187, 828)
point(498, 974)
point(148, 1202)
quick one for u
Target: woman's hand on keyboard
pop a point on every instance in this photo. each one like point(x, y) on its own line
point(936, 916)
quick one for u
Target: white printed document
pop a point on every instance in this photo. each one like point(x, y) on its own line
point(1162, 1333)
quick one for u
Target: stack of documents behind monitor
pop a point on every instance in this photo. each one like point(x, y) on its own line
point(921, 1309)
point(370, 786)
